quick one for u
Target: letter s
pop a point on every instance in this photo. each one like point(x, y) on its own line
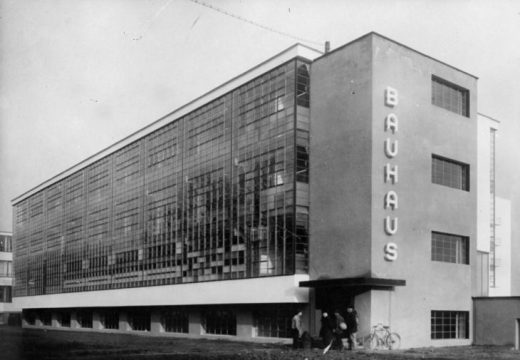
point(390, 251)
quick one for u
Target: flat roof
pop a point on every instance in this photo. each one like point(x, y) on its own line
point(295, 51)
point(373, 33)
point(488, 117)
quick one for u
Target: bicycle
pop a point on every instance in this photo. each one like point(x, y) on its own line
point(382, 338)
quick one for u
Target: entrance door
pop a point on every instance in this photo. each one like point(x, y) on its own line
point(334, 298)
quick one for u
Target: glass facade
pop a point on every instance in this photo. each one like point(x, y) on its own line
point(220, 193)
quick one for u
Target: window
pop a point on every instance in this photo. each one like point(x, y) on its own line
point(302, 86)
point(220, 322)
point(64, 319)
point(450, 324)
point(84, 318)
point(110, 319)
point(5, 243)
point(46, 318)
point(450, 96)
point(274, 321)
point(5, 269)
point(175, 321)
point(30, 317)
point(450, 248)
point(139, 320)
point(450, 173)
point(5, 294)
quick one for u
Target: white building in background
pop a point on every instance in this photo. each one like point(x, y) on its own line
point(494, 217)
point(7, 308)
point(502, 270)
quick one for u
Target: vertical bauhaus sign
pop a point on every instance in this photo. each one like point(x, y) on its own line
point(391, 173)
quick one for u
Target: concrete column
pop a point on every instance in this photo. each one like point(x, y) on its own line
point(156, 325)
point(245, 326)
point(55, 322)
point(38, 321)
point(74, 324)
point(314, 314)
point(362, 303)
point(195, 323)
point(97, 321)
point(124, 324)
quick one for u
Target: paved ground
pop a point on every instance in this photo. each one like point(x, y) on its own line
point(22, 344)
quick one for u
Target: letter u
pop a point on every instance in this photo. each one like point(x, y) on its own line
point(391, 225)
point(391, 148)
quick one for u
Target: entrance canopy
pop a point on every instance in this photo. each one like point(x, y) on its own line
point(367, 283)
point(337, 293)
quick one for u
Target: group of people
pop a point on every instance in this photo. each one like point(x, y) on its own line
point(333, 329)
point(336, 328)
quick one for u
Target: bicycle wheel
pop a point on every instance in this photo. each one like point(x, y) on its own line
point(393, 341)
point(374, 342)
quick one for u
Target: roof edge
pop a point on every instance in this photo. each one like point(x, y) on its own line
point(296, 50)
point(488, 117)
point(373, 33)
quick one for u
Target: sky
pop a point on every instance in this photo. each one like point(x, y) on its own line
point(77, 76)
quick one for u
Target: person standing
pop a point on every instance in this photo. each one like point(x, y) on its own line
point(297, 329)
point(326, 333)
point(352, 321)
point(340, 327)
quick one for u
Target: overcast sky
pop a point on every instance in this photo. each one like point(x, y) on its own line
point(76, 76)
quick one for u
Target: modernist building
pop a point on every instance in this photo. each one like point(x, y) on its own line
point(311, 181)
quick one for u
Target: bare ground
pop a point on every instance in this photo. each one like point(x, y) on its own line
point(17, 343)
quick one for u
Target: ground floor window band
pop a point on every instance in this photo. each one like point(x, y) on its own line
point(266, 320)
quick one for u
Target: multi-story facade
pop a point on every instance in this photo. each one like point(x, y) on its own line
point(311, 181)
point(208, 206)
point(393, 189)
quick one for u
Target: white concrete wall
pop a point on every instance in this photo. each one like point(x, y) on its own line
point(278, 289)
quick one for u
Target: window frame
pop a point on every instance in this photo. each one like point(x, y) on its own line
point(465, 182)
point(462, 253)
point(464, 93)
point(448, 324)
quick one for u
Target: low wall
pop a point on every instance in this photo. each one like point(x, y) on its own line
point(497, 320)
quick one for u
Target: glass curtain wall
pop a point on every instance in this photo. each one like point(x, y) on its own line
point(221, 193)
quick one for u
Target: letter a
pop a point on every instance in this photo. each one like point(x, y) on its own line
point(391, 201)
point(391, 123)
point(391, 97)
point(391, 225)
